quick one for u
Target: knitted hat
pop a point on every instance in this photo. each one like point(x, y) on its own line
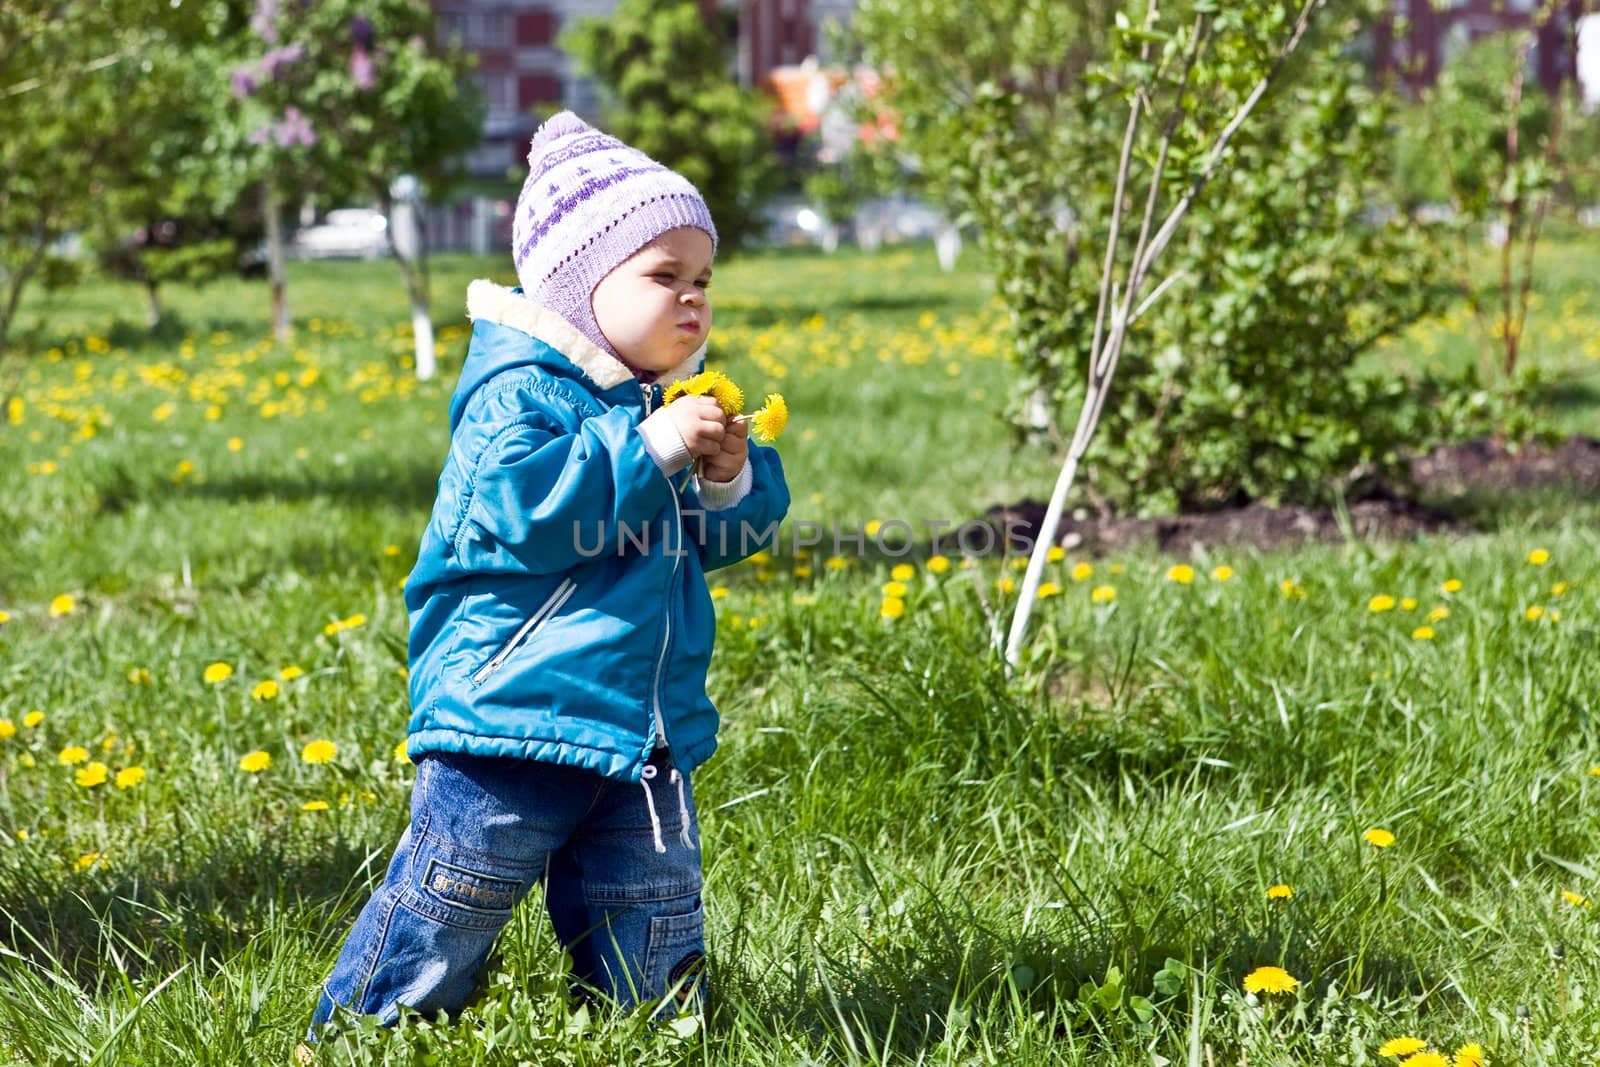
point(589, 203)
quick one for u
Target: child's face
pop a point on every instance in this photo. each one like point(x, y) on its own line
point(653, 307)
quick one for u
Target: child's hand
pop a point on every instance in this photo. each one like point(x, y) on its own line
point(725, 464)
point(699, 421)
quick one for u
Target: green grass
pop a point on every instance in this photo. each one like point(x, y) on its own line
point(911, 858)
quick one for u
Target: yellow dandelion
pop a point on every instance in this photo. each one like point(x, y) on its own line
point(1425, 1059)
point(1280, 892)
point(1438, 614)
point(32, 719)
point(1577, 900)
point(1270, 980)
point(938, 564)
point(1539, 557)
point(217, 672)
point(92, 775)
point(1557, 590)
point(1378, 837)
point(892, 608)
point(265, 690)
point(1534, 613)
point(1103, 594)
point(1222, 573)
point(1005, 585)
point(1451, 585)
point(87, 860)
point(1055, 554)
point(718, 592)
point(255, 762)
point(1047, 589)
point(1408, 603)
point(1468, 1055)
point(872, 527)
point(72, 755)
point(63, 605)
point(315, 805)
point(770, 421)
point(836, 563)
point(1423, 633)
point(1182, 573)
point(1381, 603)
point(129, 777)
point(712, 383)
point(1292, 589)
point(903, 572)
point(235, 444)
point(1401, 1046)
point(894, 589)
point(321, 751)
point(290, 673)
point(1082, 572)
point(5, 617)
point(139, 676)
point(400, 753)
point(8, 729)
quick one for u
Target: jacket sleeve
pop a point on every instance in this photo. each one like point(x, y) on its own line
point(542, 500)
point(727, 535)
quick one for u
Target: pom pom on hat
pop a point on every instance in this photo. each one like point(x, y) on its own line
point(562, 124)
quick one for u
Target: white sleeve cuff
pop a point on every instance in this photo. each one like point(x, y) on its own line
point(665, 445)
point(718, 496)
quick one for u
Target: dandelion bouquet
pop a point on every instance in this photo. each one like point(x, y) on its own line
point(765, 424)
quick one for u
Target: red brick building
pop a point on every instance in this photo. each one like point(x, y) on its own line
point(1435, 31)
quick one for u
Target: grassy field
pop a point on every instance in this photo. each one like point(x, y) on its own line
point(911, 858)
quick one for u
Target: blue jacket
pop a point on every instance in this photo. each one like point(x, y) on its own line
point(559, 609)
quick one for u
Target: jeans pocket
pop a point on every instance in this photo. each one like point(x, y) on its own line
point(465, 889)
point(674, 961)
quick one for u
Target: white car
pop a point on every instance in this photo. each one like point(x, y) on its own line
point(345, 233)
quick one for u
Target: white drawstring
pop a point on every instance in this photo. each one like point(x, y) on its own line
point(648, 773)
point(683, 810)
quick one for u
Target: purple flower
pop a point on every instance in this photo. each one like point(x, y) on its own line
point(361, 68)
point(244, 80)
point(279, 60)
point(361, 32)
point(295, 129)
point(265, 20)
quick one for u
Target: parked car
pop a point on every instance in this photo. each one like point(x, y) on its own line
point(344, 233)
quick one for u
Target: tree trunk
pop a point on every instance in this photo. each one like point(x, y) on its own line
point(152, 313)
point(408, 242)
point(272, 209)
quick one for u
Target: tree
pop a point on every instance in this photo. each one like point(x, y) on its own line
point(172, 214)
point(82, 86)
point(671, 97)
point(350, 96)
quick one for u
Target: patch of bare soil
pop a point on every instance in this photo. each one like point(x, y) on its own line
point(1450, 470)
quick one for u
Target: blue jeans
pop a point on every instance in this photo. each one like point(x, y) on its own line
point(620, 863)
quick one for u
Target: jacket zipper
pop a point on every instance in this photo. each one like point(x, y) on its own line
point(546, 611)
point(666, 630)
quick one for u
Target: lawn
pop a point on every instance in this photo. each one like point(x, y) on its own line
point(911, 857)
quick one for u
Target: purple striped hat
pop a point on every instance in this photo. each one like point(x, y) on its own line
point(589, 203)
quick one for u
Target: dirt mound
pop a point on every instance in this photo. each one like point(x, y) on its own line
point(1449, 470)
point(1484, 464)
point(1256, 525)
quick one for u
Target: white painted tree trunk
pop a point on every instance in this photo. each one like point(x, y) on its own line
point(272, 209)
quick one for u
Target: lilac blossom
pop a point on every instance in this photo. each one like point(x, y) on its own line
point(244, 80)
point(279, 60)
point(265, 20)
point(361, 32)
point(295, 129)
point(361, 68)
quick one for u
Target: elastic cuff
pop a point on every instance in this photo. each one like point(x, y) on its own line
point(665, 445)
point(718, 496)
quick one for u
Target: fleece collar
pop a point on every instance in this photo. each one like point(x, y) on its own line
point(489, 301)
